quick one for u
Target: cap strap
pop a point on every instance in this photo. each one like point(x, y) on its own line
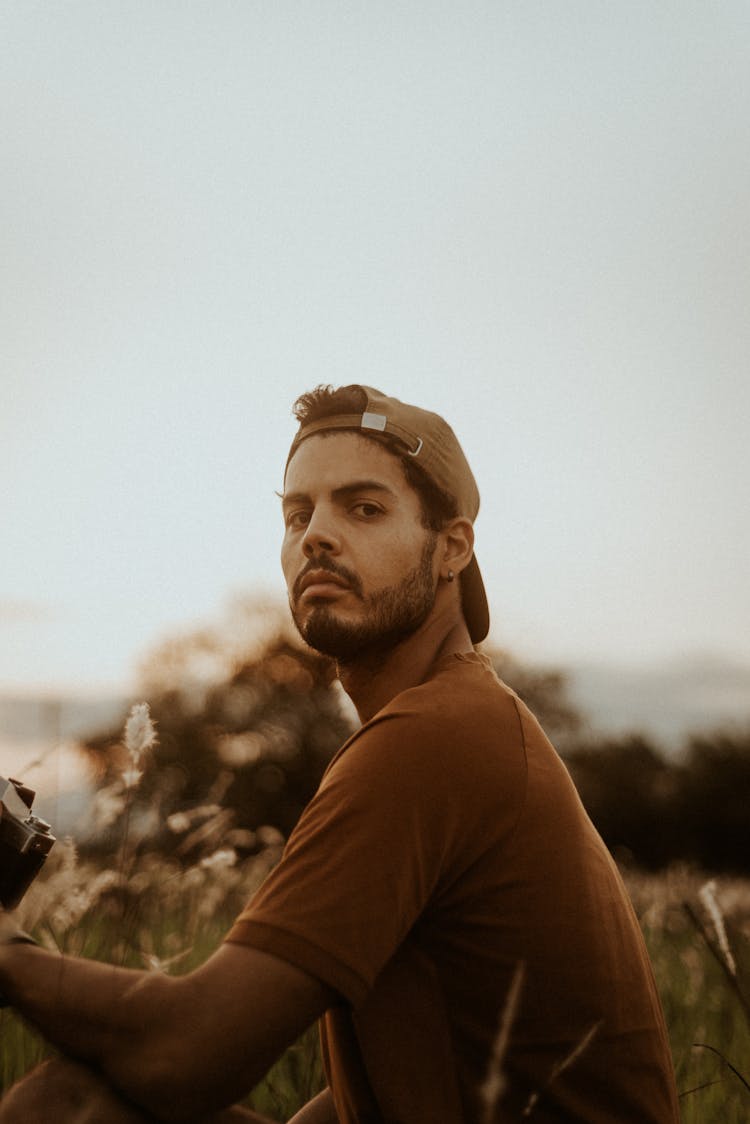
point(379, 423)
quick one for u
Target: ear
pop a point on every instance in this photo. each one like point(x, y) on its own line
point(458, 546)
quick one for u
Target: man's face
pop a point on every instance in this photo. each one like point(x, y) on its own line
point(359, 564)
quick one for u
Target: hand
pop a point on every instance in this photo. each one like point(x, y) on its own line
point(10, 934)
point(7, 925)
point(9, 931)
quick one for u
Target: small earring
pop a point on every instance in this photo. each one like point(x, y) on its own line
point(451, 575)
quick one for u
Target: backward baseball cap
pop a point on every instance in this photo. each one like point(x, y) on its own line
point(429, 439)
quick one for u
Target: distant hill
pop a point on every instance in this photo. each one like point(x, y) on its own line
point(667, 703)
point(33, 718)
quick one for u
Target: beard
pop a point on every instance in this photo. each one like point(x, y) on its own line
point(389, 615)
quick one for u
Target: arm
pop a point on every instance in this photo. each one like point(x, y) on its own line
point(319, 1110)
point(182, 1047)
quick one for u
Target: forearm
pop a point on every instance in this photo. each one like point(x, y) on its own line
point(110, 1017)
point(181, 1048)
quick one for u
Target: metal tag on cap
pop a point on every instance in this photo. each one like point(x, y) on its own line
point(374, 421)
point(380, 421)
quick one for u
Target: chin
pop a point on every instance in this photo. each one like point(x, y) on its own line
point(331, 635)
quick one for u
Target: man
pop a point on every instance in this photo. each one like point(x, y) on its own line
point(444, 906)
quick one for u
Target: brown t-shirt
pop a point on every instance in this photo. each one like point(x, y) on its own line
point(445, 847)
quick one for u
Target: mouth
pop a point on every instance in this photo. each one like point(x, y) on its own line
point(321, 583)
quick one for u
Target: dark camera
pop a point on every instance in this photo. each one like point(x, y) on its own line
point(25, 842)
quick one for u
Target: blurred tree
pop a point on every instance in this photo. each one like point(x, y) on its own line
point(249, 723)
point(714, 801)
point(631, 794)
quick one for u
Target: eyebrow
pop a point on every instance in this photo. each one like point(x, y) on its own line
point(340, 493)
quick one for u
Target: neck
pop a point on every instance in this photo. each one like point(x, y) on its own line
point(372, 679)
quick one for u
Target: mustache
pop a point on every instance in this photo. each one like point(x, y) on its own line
point(330, 567)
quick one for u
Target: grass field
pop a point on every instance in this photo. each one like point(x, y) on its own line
point(156, 915)
point(705, 1004)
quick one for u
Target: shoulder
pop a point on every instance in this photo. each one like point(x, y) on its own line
point(462, 717)
point(461, 686)
point(463, 698)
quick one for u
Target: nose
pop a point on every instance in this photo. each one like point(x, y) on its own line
point(320, 534)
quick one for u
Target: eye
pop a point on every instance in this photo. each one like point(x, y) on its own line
point(298, 518)
point(367, 510)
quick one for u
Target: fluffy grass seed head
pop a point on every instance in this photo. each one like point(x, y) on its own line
point(140, 737)
point(707, 895)
point(224, 857)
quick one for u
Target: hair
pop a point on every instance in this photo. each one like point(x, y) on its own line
point(438, 507)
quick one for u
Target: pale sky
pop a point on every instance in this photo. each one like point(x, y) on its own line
point(531, 217)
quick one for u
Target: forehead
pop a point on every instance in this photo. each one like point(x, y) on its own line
point(325, 463)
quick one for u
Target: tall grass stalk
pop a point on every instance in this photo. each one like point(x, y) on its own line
point(493, 1088)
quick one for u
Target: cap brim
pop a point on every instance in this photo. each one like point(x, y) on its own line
point(474, 602)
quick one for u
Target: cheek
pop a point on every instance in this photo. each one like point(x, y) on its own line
point(287, 557)
point(398, 558)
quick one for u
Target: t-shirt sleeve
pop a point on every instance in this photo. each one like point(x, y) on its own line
point(368, 857)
